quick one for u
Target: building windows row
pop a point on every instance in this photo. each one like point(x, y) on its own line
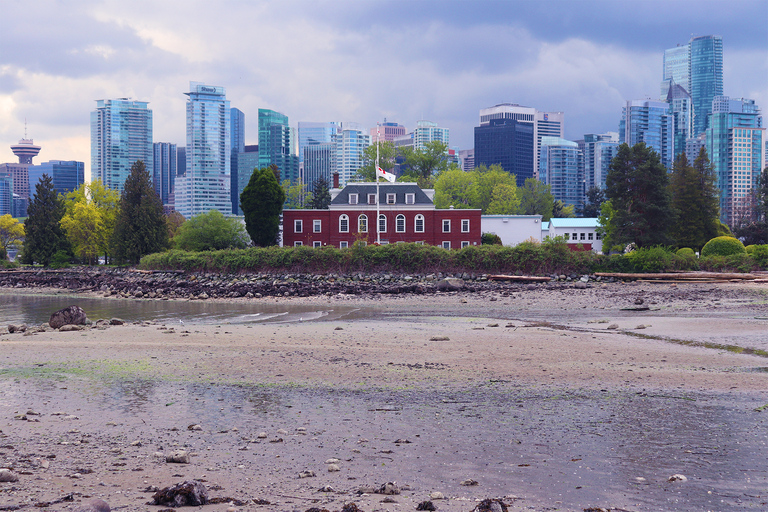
point(362, 224)
point(391, 198)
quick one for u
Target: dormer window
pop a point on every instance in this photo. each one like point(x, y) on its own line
point(391, 198)
point(371, 198)
point(352, 198)
point(410, 198)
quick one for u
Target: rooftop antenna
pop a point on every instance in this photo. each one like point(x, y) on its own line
point(25, 127)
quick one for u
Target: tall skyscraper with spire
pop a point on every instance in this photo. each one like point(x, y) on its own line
point(205, 185)
point(121, 134)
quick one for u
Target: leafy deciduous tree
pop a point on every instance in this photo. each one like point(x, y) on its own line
point(262, 201)
point(173, 222)
point(296, 195)
point(44, 235)
point(140, 226)
point(210, 232)
point(536, 199)
point(504, 200)
point(89, 219)
point(638, 187)
point(454, 188)
point(423, 163)
point(11, 233)
point(487, 179)
point(387, 156)
point(562, 211)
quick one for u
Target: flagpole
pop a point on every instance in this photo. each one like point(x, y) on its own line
point(376, 173)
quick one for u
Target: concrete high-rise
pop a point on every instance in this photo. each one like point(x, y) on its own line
point(276, 144)
point(205, 185)
point(121, 134)
point(560, 167)
point(650, 122)
point(705, 72)
point(388, 131)
point(164, 171)
point(545, 124)
point(735, 149)
point(428, 131)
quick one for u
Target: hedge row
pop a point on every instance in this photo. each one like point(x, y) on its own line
point(523, 259)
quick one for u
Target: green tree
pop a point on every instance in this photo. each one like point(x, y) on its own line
point(387, 156)
point(606, 225)
point(695, 202)
point(296, 195)
point(262, 202)
point(140, 226)
point(454, 188)
point(484, 185)
point(638, 187)
point(173, 222)
point(536, 199)
point(211, 231)
point(89, 219)
point(504, 200)
point(11, 233)
point(44, 235)
point(321, 198)
point(562, 211)
point(761, 196)
point(594, 199)
point(422, 164)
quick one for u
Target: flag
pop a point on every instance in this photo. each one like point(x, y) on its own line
point(381, 173)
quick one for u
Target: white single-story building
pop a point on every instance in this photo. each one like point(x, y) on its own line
point(513, 229)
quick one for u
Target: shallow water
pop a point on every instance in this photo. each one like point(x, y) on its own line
point(35, 309)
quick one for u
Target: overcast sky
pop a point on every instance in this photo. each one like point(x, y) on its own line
point(360, 61)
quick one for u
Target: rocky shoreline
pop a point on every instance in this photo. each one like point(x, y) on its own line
point(129, 282)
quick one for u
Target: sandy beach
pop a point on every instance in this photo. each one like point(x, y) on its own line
point(551, 399)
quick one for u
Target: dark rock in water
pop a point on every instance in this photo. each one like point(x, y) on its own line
point(491, 505)
point(72, 315)
point(94, 506)
point(188, 493)
point(426, 505)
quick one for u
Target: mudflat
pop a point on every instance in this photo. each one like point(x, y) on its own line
point(546, 398)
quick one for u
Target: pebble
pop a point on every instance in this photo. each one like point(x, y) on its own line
point(194, 427)
point(436, 495)
point(677, 478)
point(332, 468)
point(306, 474)
point(178, 457)
point(332, 461)
point(469, 482)
point(262, 435)
point(282, 432)
point(613, 326)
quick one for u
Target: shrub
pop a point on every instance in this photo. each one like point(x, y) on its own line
point(60, 259)
point(722, 246)
point(760, 255)
point(651, 259)
point(685, 252)
point(750, 248)
point(490, 239)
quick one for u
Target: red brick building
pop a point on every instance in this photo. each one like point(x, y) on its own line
point(406, 214)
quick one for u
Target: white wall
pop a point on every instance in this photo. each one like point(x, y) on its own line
point(512, 229)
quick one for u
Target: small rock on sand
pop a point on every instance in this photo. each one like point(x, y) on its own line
point(6, 475)
point(96, 505)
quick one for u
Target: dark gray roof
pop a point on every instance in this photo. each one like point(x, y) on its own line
point(363, 189)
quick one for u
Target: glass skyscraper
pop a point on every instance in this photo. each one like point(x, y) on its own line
point(650, 122)
point(237, 132)
point(597, 150)
point(705, 65)
point(559, 167)
point(675, 69)
point(66, 175)
point(351, 141)
point(735, 149)
point(509, 143)
point(121, 134)
point(205, 184)
point(165, 170)
point(276, 144)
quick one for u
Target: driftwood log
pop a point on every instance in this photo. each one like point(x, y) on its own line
point(680, 275)
point(527, 279)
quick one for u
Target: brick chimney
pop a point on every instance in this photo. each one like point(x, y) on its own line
point(335, 180)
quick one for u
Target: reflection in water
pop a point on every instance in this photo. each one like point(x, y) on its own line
point(34, 309)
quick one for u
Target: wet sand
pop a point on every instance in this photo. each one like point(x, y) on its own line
point(557, 399)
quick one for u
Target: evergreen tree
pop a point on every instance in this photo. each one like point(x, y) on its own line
point(44, 235)
point(140, 227)
point(761, 196)
point(695, 202)
point(638, 188)
point(262, 202)
point(562, 211)
point(321, 198)
point(594, 199)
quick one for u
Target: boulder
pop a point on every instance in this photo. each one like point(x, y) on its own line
point(6, 475)
point(450, 284)
point(17, 328)
point(94, 506)
point(190, 493)
point(72, 315)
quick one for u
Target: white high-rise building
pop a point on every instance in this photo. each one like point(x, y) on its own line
point(545, 124)
point(205, 185)
point(351, 141)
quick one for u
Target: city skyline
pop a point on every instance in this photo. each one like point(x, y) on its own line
point(359, 62)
